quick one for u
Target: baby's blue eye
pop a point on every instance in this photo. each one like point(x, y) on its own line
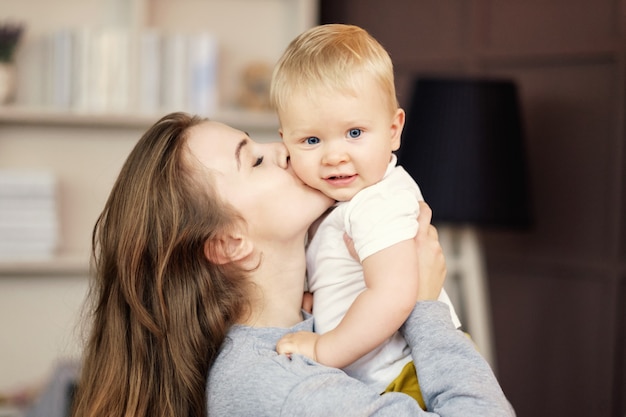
point(354, 133)
point(312, 140)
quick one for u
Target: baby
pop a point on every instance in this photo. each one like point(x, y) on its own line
point(333, 90)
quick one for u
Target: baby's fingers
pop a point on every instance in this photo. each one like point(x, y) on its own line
point(285, 345)
point(350, 245)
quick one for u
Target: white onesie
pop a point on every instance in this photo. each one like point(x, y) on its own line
point(377, 217)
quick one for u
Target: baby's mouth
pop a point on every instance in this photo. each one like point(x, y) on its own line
point(340, 180)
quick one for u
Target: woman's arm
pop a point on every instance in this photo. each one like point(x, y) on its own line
point(455, 379)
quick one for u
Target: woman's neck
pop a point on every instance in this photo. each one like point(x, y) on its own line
point(278, 286)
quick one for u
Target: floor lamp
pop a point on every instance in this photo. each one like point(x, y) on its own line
point(463, 144)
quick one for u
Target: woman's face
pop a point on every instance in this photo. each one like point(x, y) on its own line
point(257, 179)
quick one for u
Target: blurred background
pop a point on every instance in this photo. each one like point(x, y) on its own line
point(556, 291)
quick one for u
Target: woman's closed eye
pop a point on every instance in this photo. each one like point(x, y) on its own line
point(258, 162)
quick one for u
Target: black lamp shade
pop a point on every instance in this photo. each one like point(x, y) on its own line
point(463, 144)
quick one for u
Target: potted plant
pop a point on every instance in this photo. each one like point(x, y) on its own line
point(10, 34)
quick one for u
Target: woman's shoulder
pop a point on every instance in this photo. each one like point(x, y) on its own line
point(253, 351)
point(249, 369)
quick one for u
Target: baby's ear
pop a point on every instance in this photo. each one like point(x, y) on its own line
point(397, 124)
point(230, 247)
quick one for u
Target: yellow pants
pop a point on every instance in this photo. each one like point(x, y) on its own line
point(407, 383)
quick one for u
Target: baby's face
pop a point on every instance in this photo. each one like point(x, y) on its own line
point(341, 143)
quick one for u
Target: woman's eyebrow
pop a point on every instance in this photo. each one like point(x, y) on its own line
point(240, 145)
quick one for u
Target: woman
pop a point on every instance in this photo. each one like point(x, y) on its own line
point(199, 266)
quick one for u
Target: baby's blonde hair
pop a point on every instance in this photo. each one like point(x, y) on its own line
point(329, 57)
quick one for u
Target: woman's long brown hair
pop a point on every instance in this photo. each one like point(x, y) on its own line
point(159, 308)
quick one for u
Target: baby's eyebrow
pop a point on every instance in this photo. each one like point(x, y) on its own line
point(240, 145)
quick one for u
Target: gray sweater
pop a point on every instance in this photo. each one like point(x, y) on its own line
point(250, 379)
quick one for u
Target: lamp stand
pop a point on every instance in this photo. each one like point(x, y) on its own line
point(466, 284)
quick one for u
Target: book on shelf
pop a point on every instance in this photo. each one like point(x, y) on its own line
point(29, 251)
point(82, 67)
point(87, 69)
point(104, 70)
point(59, 53)
point(189, 65)
point(148, 74)
point(27, 183)
point(174, 70)
point(116, 77)
point(202, 55)
point(29, 227)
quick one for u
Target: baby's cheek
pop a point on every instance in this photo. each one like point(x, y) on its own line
point(305, 170)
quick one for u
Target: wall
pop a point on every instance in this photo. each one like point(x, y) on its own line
point(40, 302)
point(40, 328)
point(39, 310)
point(557, 291)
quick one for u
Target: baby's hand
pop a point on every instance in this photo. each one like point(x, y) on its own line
point(350, 245)
point(302, 343)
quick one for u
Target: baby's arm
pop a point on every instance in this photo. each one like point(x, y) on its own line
point(391, 278)
point(379, 311)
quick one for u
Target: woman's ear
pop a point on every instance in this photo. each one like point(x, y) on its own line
point(228, 248)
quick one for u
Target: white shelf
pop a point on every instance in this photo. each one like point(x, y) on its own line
point(242, 119)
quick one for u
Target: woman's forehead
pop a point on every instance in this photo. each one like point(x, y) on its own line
point(210, 142)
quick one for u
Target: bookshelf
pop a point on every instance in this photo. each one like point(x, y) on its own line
point(46, 116)
point(85, 147)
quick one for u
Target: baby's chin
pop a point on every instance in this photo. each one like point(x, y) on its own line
point(342, 195)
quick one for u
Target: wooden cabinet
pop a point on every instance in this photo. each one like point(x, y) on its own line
point(557, 291)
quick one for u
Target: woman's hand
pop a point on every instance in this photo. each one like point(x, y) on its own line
point(307, 302)
point(432, 264)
